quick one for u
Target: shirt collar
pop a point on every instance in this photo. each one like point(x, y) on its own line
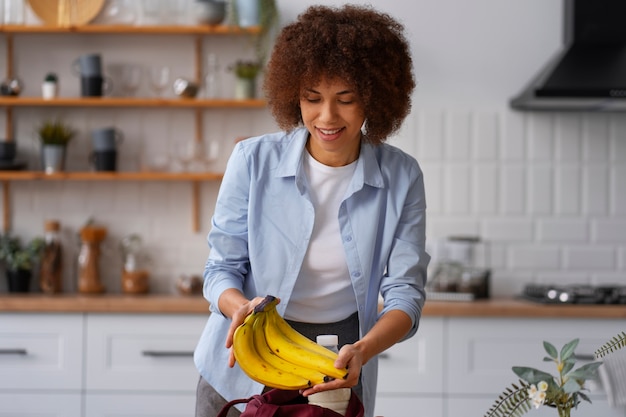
point(367, 169)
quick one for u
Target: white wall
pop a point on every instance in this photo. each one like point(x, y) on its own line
point(547, 189)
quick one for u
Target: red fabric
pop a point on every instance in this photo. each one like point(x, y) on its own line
point(280, 403)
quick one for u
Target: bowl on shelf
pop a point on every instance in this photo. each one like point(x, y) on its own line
point(209, 12)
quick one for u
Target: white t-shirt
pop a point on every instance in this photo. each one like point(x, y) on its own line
point(323, 292)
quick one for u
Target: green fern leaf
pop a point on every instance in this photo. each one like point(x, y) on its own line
point(513, 402)
point(614, 344)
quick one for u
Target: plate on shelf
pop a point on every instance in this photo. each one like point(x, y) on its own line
point(66, 12)
point(12, 165)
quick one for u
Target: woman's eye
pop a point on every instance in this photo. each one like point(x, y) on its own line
point(312, 99)
point(346, 101)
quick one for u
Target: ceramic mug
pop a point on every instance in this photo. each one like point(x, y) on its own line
point(106, 139)
point(104, 160)
point(95, 86)
point(88, 65)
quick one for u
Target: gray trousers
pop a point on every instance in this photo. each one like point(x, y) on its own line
point(209, 402)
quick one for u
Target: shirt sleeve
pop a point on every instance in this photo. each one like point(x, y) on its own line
point(402, 288)
point(228, 261)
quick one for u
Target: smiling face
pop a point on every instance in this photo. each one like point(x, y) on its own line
point(333, 116)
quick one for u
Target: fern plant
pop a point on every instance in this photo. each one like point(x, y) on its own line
point(513, 402)
point(616, 343)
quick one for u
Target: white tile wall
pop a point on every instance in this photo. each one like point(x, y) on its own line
point(548, 190)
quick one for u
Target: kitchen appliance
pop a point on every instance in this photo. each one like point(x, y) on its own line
point(459, 270)
point(575, 294)
point(589, 73)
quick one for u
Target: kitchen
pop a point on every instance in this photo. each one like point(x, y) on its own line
point(546, 189)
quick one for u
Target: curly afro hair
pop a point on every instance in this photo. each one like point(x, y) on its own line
point(357, 44)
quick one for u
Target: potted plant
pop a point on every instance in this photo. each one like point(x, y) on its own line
point(253, 13)
point(50, 86)
point(19, 260)
point(54, 136)
point(245, 82)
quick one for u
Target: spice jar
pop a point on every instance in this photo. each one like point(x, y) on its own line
point(89, 259)
point(51, 268)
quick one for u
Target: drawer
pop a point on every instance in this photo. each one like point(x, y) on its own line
point(41, 351)
point(482, 352)
point(125, 405)
point(142, 353)
point(40, 404)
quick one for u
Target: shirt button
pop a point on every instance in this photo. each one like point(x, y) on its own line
point(356, 274)
point(348, 238)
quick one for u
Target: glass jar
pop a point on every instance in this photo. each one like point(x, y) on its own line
point(51, 268)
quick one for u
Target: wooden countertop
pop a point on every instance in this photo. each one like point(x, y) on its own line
point(174, 304)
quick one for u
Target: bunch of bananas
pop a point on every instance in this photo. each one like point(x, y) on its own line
point(273, 353)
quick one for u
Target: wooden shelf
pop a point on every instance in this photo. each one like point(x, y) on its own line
point(131, 29)
point(198, 32)
point(9, 101)
point(109, 176)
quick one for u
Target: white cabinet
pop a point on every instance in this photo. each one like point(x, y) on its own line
point(41, 351)
point(458, 366)
point(97, 365)
point(481, 353)
point(142, 352)
point(410, 374)
point(141, 365)
point(41, 361)
point(39, 404)
point(133, 405)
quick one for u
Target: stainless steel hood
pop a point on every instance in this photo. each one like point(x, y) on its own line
point(589, 73)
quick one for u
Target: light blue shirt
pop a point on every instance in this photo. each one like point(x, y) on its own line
point(261, 229)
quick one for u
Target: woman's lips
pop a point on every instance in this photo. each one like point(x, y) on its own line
point(329, 134)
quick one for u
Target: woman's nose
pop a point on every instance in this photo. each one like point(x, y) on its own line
point(328, 111)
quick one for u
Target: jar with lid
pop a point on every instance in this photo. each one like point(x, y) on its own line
point(51, 268)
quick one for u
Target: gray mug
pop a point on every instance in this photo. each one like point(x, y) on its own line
point(88, 65)
point(106, 139)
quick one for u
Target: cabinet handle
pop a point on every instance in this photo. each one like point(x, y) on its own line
point(585, 357)
point(167, 353)
point(384, 355)
point(13, 352)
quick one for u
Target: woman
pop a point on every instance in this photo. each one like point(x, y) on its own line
point(323, 215)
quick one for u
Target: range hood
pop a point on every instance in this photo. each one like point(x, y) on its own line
point(589, 73)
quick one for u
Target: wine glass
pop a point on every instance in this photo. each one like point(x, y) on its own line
point(159, 78)
point(131, 79)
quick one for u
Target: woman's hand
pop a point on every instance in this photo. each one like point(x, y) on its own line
point(237, 317)
point(350, 357)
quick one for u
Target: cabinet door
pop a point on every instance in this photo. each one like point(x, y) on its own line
point(415, 365)
point(404, 406)
point(40, 404)
point(482, 351)
point(479, 405)
point(142, 353)
point(133, 405)
point(41, 351)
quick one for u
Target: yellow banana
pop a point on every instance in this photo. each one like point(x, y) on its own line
point(255, 367)
point(296, 353)
point(270, 357)
point(298, 337)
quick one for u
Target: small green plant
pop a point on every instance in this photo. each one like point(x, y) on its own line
point(16, 256)
point(51, 77)
point(563, 392)
point(55, 132)
point(246, 69)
